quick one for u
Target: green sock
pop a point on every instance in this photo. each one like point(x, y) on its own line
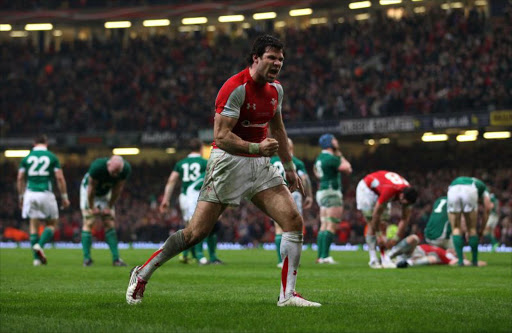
point(33, 241)
point(320, 243)
point(329, 236)
point(111, 240)
point(199, 250)
point(211, 241)
point(86, 244)
point(278, 247)
point(473, 244)
point(458, 243)
point(185, 253)
point(493, 239)
point(46, 236)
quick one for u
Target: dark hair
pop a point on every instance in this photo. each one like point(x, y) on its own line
point(195, 145)
point(410, 194)
point(41, 138)
point(260, 46)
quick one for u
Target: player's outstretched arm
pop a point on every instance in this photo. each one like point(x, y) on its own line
point(174, 177)
point(226, 140)
point(61, 184)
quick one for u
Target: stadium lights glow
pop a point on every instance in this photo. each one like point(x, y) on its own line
point(481, 3)
point(341, 20)
point(188, 28)
point(384, 141)
point(5, 27)
point(369, 142)
point(125, 151)
point(416, 0)
point(318, 20)
point(170, 150)
point(431, 137)
point(280, 24)
point(211, 28)
point(156, 23)
point(264, 16)
point(231, 18)
point(497, 135)
point(194, 20)
point(18, 34)
point(118, 24)
point(419, 9)
point(38, 26)
point(389, 2)
point(362, 17)
point(447, 5)
point(471, 132)
point(301, 12)
point(359, 5)
point(57, 33)
point(466, 137)
point(16, 153)
point(246, 25)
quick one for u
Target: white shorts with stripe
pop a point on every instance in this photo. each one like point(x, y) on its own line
point(100, 202)
point(229, 178)
point(462, 198)
point(39, 205)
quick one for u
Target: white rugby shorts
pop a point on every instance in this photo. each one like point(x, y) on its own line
point(39, 205)
point(462, 198)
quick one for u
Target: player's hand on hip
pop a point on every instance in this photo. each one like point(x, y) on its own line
point(65, 203)
point(268, 147)
point(163, 207)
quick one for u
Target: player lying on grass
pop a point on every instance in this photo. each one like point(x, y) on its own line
point(410, 253)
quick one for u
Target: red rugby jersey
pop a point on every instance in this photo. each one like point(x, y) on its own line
point(252, 103)
point(441, 253)
point(386, 184)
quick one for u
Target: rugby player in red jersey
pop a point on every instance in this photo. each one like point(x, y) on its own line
point(247, 106)
point(373, 195)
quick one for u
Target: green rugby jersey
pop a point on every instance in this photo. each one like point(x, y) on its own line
point(495, 201)
point(480, 186)
point(39, 167)
point(299, 166)
point(438, 224)
point(99, 172)
point(326, 168)
point(192, 170)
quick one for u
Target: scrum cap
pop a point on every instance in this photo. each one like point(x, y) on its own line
point(325, 141)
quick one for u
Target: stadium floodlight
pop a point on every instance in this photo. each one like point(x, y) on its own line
point(417, 0)
point(362, 17)
point(359, 5)
point(57, 33)
point(125, 151)
point(246, 25)
point(194, 20)
point(384, 141)
point(301, 12)
point(369, 142)
point(471, 132)
point(481, 3)
point(118, 24)
point(5, 27)
point(170, 150)
point(16, 33)
point(156, 23)
point(38, 26)
point(466, 137)
point(389, 2)
point(16, 153)
point(211, 28)
point(431, 137)
point(231, 18)
point(318, 20)
point(264, 16)
point(280, 24)
point(420, 9)
point(447, 5)
point(497, 135)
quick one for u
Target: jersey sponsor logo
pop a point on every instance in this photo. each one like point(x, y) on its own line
point(251, 105)
point(247, 123)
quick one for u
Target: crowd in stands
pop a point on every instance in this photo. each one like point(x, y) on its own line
point(139, 219)
point(437, 62)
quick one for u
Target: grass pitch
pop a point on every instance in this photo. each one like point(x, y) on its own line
point(241, 295)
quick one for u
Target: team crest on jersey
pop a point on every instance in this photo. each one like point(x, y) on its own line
point(251, 105)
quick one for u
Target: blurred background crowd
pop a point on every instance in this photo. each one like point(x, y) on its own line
point(437, 62)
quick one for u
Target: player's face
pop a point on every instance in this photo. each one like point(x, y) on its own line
point(335, 143)
point(269, 65)
point(403, 201)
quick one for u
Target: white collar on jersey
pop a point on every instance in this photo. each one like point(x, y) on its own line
point(194, 155)
point(327, 151)
point(39, 148)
